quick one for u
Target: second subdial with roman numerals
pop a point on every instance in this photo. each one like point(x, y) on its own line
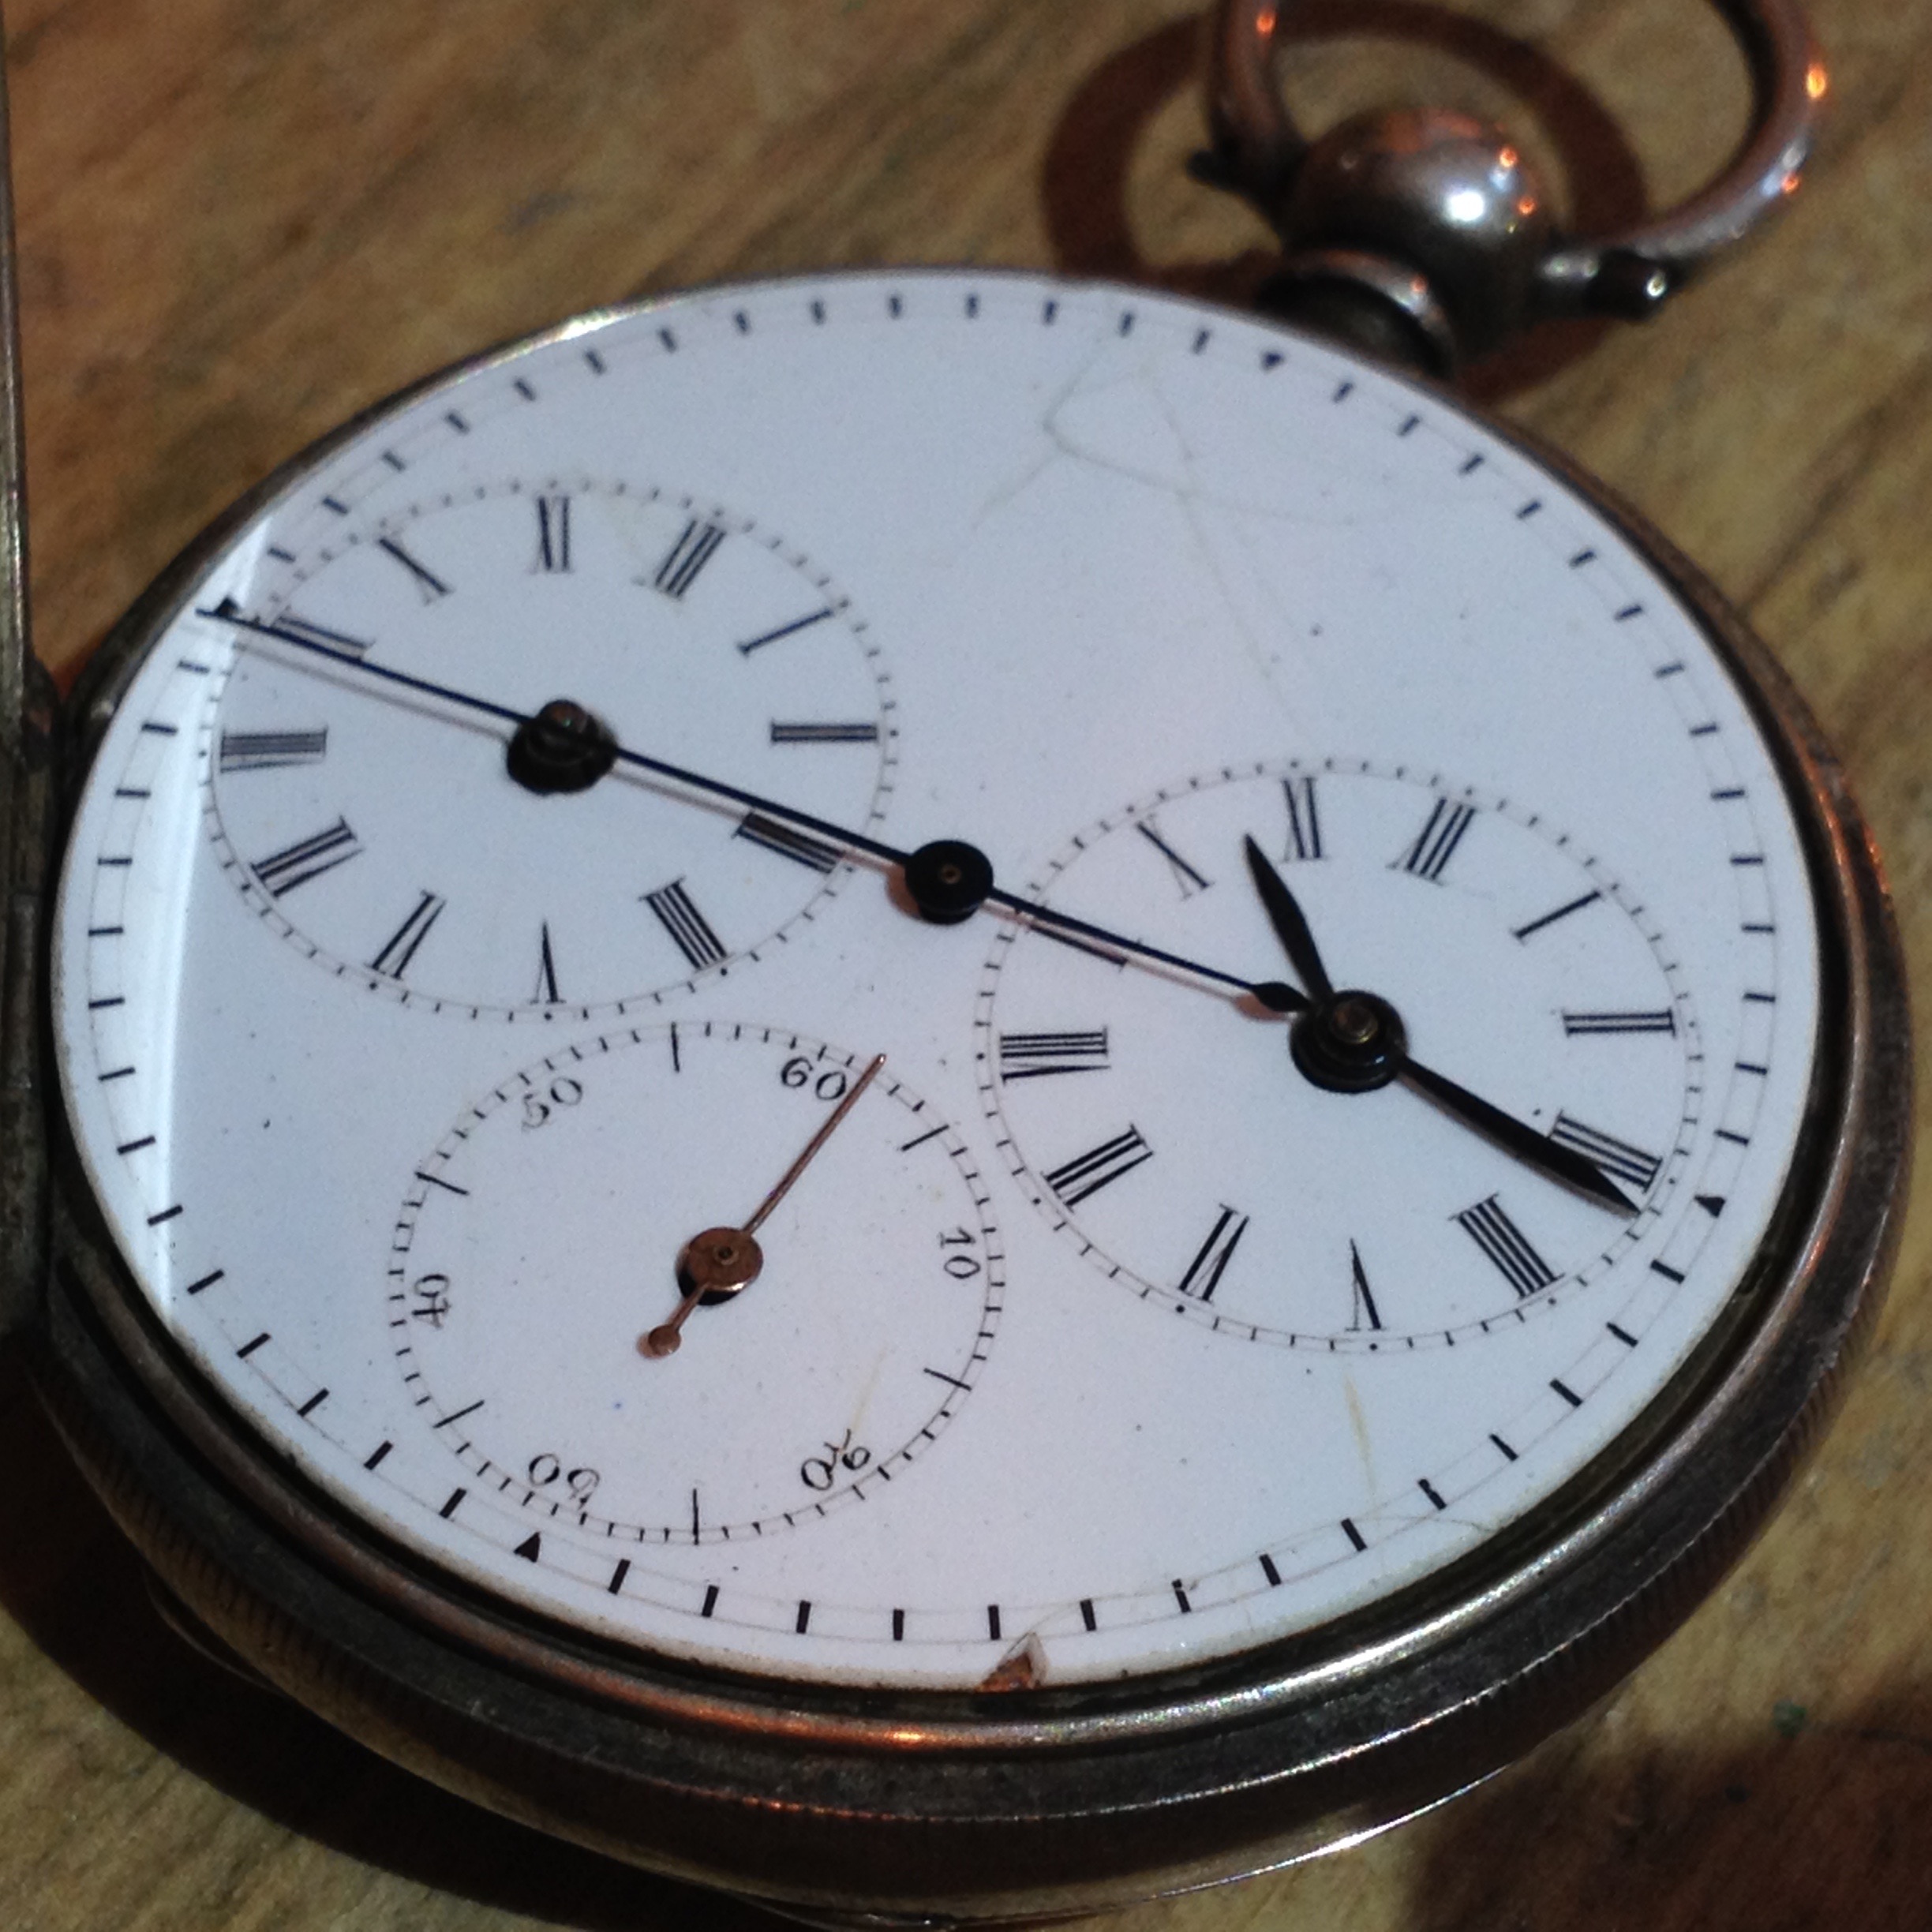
point(1171, 1134)
point(817, 1385)
point(387, 833)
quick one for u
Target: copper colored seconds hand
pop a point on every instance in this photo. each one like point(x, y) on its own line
point(721, 1260)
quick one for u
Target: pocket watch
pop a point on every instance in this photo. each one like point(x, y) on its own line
point(950, 1096)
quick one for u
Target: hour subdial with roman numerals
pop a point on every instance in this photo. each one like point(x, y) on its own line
point(398, 841)
point(1170, 1132)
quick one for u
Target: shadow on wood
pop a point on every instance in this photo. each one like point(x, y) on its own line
point(1585, 1838)
point(75, 1585)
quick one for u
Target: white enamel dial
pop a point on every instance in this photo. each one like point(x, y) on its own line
point(1145, 573)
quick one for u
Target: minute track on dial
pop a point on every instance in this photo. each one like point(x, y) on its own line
point(1276, 996)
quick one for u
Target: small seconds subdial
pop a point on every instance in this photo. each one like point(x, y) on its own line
point(1259, 1174)
point(448, 857)
point(547, 1245)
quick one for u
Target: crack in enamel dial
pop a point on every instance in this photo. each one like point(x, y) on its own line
point(1203, 1171)
point(347, 814)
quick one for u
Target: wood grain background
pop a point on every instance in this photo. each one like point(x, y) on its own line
point(241, 220)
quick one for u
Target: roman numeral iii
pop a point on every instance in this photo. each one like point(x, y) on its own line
point(1101, 1166)
point(1660, 1021)
point(1035, 1056)
point(1435, 844)
point(865, 731)
point(693, 550)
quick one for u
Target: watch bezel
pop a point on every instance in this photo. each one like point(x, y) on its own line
point(1196, 1774)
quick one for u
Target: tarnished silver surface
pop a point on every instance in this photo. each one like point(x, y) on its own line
point(1431, 210)
point(15, 650)
point(1472, 258)
point(892, 1808)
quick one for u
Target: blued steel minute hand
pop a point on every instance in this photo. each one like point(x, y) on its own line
point(1536, 1149)
point(1550, 1158)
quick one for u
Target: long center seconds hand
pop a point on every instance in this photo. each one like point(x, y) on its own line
point(1276, 996)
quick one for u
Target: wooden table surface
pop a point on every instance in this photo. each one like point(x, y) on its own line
point(241, 220)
